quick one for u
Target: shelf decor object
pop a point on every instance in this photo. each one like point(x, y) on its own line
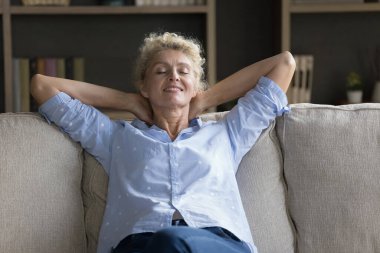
point(375, 64)
point(376, 93)
point(354, 88)
point(45, 2)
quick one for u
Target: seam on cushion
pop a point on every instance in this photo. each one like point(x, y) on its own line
point(352, 107)
point(90, 196)
point(274, 138)
point(81, 159)
point(31, 115)
point(22, 114)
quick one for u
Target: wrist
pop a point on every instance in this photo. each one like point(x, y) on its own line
point(128, 102)
point(209, 99)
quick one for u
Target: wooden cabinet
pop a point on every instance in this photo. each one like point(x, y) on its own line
point(341, 36)
point(106, 37)
point(290, 8)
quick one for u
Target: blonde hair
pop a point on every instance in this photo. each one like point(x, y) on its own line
point(155, 43)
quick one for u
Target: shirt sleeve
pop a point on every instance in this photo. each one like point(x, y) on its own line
point(253, 113)
point(83, 123)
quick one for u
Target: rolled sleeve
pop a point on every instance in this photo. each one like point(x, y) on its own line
point(274, 93)
point(47, 109)
point(83, 123)
point(253, 113)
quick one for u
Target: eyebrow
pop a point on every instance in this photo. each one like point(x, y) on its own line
point(166, 63)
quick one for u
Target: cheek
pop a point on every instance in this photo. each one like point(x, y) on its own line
point(194, 90)
point(194, 86)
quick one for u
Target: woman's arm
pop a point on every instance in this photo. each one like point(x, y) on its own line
point(280, 68)
point(45, 87)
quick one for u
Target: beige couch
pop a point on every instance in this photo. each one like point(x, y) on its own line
point(310, 184)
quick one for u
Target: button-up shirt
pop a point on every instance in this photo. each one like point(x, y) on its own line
point(151, 176)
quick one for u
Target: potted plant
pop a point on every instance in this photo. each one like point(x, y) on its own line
point(354, 87)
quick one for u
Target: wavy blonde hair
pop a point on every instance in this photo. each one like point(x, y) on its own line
point(155, 43)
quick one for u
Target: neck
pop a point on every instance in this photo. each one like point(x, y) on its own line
point(173, 121)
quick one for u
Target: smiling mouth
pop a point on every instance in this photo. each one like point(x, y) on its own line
point(173, 89)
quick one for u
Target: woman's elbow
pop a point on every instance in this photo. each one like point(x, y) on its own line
point(40, 88)
point(35, 85)
point(288, 60)
point(288, 67)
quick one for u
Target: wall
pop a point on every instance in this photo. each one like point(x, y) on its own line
point(246, 33)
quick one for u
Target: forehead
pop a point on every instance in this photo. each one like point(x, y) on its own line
point(171, 57)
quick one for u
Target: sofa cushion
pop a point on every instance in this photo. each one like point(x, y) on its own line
point(261, 187)
point(40, 188)
point(95, 185)
point(331, 165)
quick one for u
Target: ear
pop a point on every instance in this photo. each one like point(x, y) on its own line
point(143, 90)
point(195, 91)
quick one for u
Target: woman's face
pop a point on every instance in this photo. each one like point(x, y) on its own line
point(169, 80)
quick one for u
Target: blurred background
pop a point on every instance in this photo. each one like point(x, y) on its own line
point(85, 40)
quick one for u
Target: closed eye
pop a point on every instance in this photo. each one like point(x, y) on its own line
point(161, 70)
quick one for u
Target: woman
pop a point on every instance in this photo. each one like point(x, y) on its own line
point(172, 185)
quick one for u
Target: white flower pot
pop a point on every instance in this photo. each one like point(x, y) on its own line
point(376, 93)
point(354, 96)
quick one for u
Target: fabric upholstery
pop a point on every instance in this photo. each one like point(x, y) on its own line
point(331, 165)
point(40, 188)
point(262, 188)
point(95, 184)
point(325, 172)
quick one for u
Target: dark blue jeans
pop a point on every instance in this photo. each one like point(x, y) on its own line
point(183, 239)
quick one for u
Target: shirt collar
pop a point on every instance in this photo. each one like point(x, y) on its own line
point(194, 125)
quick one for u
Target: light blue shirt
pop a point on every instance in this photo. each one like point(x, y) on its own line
point(151, 176)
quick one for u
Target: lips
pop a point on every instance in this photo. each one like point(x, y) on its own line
point(173, 89)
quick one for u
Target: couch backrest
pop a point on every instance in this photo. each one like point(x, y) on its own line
point(332, 170)
point(41, 208)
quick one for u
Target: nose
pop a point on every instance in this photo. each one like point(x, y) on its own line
point(174, 76)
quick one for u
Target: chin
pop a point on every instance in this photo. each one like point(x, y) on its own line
point(171, 103)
